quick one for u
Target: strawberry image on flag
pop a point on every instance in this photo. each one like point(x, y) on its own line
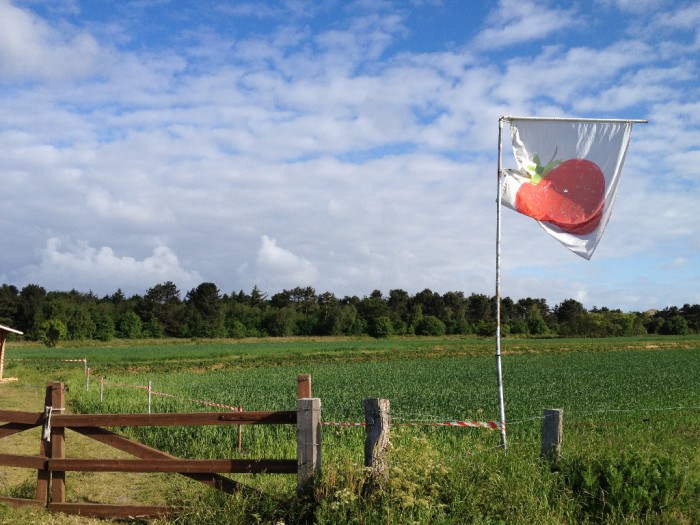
point(567, 175)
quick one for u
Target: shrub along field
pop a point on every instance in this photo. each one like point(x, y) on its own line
point(631, 424)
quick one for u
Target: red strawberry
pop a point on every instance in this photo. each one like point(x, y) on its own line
point(570, 196)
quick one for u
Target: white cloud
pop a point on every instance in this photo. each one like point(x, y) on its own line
point(518, 21)
point(281, 266)
point(31, 49)
point(687, 17)
point(143, 211)
point(634, 6)
point(78, 265)
point(678, 263)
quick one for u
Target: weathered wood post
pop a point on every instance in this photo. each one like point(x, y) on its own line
point(308, 436)
point(377, 421)
point(308, 442)
point(43, 476)
point(58, 445)
point(303, 386)
point(552, 432)
point(52, 446)
point(240, 432)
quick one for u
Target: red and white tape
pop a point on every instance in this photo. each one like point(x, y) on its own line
point(475, 424)
point(164, 394)
point(40, 359)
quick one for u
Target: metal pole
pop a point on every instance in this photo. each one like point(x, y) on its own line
point(149, 396)
point(499, 373)
point(574, 119)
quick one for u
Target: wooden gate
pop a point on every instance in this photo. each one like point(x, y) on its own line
point(52, 465)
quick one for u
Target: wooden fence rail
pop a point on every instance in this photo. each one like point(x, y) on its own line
point(52, 465)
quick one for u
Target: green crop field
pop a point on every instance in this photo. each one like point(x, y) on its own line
point(631, 423)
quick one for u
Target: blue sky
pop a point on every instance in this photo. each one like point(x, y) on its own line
point(348, 146)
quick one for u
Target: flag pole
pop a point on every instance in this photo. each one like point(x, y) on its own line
point(499, 374)
point(576, 119)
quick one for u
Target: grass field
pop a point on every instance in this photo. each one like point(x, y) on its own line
point(631, 412)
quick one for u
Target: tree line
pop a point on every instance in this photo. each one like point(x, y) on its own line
point(205, 312)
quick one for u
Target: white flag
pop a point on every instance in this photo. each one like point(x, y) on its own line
point(567, 176)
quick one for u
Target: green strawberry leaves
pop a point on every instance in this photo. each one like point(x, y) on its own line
point(535, 169)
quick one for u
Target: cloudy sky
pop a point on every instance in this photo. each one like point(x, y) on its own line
point(343, 145)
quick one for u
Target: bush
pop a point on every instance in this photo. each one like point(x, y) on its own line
point(152, 328)
point(485, 328)
point(53, 331)
point(616, 488)
point(430, 325)
point(130, 326)
point(236, 329)
point(104, 327)
point(676, 325)
point(381, 327)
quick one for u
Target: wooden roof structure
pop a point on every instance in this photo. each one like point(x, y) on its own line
point(4, 330)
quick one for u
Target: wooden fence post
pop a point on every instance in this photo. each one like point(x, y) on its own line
point(52, 446)
point(303, 386)
point(377, 421)
point(308, 443)
point(240, 432)
point(44, 475)
point(58, 445)
point(552, 432)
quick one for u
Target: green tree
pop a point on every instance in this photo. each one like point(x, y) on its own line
point(431, 303)
point(53, 331)
point(130, 326)
point(236, 329)
point(80, 323)
point(399, 304)
point(342, 319)
point(30, 310)
point(104, 326)
point(206, 314)
point(676, 325)
point(372, 308)
point(691, 314)
point(568, 310)
point(9, 304)
point(153, 329)
point(162, 303)
point(281, 322)
point(244, 312)
point(380, 327)
point(480, 308)
point(535, 321)
point(455, 313)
